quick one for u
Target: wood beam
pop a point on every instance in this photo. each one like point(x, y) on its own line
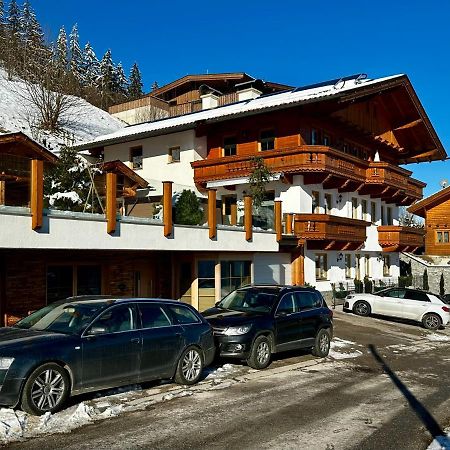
point(111, 200)
point(37, 193)
point(2, 192)
point(298, 266)
point(409, 125)
point(248, 218)
point(233, 214)
point(289, 219)
point(278, 220)
point(212, 216)
point(167, 208)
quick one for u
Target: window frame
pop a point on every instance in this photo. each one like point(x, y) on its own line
point(315, 207)
point(135, 317)
point(225, 146)
point(161, 307)
point(171, 159)
point(442, 232)
point(265, 140)
point(327, 207)
point(321, 258)
point(136, 165)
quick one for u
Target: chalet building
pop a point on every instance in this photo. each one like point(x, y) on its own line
point(436, 212)
point(330, 213)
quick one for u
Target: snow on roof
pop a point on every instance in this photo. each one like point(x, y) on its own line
point(186, 121)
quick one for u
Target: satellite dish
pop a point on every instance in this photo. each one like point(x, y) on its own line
point(443, 183)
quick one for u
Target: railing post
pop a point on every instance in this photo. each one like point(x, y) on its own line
point(111, 200)
point(2, 192)
point(37, 193)
point(298, 266)
point(289, 218)
point(278, 220)
point(212, 214)
point(167, 208)
point(233, 212)
point(248, 218)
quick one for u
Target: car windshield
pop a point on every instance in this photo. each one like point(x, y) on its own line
point(63, 317)
point(249, 300)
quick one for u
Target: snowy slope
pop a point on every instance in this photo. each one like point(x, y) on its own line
point(86, 121)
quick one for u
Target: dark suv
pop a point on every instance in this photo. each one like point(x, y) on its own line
point(253, 322)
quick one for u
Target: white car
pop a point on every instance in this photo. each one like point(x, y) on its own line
point(409, 304)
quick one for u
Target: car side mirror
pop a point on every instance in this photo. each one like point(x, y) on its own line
point(96, 330)
point(282, 314)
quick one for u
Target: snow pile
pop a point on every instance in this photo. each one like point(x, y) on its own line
point(436, 337)
point(85, 122)
point(341, 344)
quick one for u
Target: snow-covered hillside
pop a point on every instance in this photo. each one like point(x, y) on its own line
point(84, 122)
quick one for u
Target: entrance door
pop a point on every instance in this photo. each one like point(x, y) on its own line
point(112, 349)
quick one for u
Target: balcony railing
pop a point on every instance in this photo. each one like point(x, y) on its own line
point(320, 164)
point(330, 232)
point(397, 238)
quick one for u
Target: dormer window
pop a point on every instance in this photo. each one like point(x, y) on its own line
point(229, 146)
point(267, 140)
point(136, 157)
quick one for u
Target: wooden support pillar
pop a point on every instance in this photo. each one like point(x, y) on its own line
point(111, 200)
point(233, 211)
point(298, 266)
point(248, 217)
point(37, 193)
point(278, 220)
point(2, 192)
point(167, 208)
point(212, 213)
point(289, 219)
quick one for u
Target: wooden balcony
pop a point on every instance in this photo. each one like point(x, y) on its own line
point(332, 168)
point(326, 232)
point(400, 239)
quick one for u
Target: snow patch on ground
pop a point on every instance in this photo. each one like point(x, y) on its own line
point(342, 349)
point(83, 123)
point(441, 442)
point(436, 337)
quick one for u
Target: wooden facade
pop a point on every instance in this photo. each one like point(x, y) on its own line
point(436, 212)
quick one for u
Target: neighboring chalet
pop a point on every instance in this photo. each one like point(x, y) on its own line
point(436, 212)
point(330, 213)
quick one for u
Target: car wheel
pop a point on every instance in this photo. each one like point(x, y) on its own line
point(260, 353)
point(190, 366)
point(361, 308)
point(322, 343)
point(45, 390)
point(431, 321)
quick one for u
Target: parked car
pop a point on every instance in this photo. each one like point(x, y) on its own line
point(89, 343)
point(253, 322)
point(411, 304)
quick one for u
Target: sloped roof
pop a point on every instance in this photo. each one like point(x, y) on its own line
point(20, 144)
point(343, 89)
point(121, 168)
point(421, 207)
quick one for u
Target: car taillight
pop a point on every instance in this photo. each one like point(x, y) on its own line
point(446, 308)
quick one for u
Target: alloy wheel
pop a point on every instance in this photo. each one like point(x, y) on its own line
point(324, 342)
point(192, 365)
point(432, 322)
point(48, 390)
point(263, 353)
point(362, 309)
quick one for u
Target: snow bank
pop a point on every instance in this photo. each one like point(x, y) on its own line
point(341, 344)
point(436, 337)
point(85, 122)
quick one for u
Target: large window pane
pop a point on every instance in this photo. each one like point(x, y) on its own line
point(233, 275)
point(206, 284)
point(59, 282)
point(89, 280)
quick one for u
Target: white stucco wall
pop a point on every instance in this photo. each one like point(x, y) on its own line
point(272, 268)
point(155, 154)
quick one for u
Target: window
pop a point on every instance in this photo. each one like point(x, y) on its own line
point(229, 146)
point(234, 274)
point(358, 266)
point(386, 265)
point(382, 216)
point(229, 210)
point(136, 158)
point(364, 209)
point(367, 266)
point(394, 293)
point(116, 320)
point(328, 203)
point(89, 280)
point(373, 211)
point(267, 140)
point(389, 216)
point(314, 137)
point(286, 305)
point(326, 140)
point(174, 154)
point(59, 283)
point(354, 208)
point(315, 202)
point(307, 300)
point(152, 316)
point(442, 237)
point(321, 266)
point(416, 295)
point(183, 315)
point(348, 265)
point(206, 284)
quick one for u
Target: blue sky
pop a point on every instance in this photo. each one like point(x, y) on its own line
point(293, 42)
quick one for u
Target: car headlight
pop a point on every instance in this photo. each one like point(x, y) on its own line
point(235, 331)
point(5, 363)
point(349, 297)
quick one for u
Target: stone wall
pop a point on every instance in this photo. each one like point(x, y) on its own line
point(435, 266)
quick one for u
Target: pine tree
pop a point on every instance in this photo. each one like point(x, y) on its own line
point(425, 285)
point(106, 72)
point(442, 285)
point(13, 19)
point(90, 66)
point(61, 49)
point(135, 86)
point(76, 55)
point(2, 14)
point(187, 209)
point(120, 82)
point(155, 86)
